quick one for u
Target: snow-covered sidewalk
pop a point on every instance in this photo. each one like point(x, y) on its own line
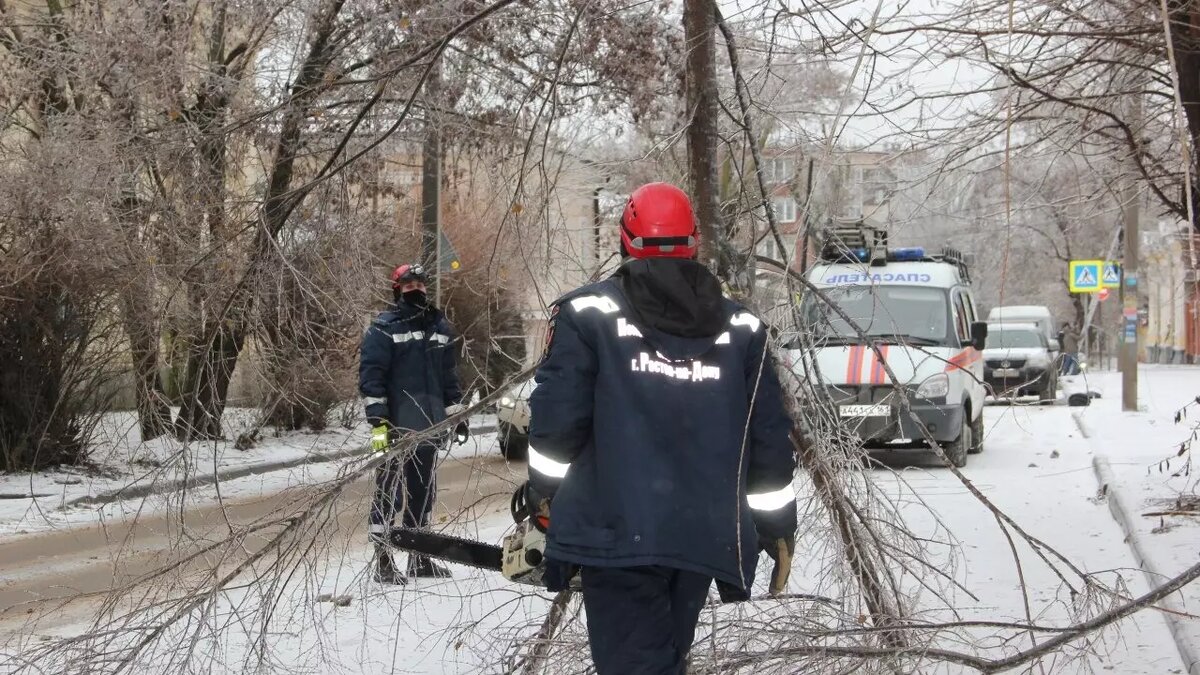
point(1144, 469)
point(123, 467)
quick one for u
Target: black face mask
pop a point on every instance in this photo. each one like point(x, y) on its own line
point(416, 298)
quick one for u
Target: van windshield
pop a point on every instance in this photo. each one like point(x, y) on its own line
point(1012, 338)
point(915, 314)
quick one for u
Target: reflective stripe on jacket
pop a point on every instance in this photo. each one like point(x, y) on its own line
point(650, 443)
point(407, 372)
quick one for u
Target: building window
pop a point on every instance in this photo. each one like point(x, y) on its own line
point(778, 169)
point(766, 247)
point(769, 248)
point(785, 209)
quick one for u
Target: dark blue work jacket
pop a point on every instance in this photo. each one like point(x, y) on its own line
point(407, 373)
point(649, 442)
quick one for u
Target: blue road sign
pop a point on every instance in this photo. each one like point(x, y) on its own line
point(1086, 276)
point(1111, 276)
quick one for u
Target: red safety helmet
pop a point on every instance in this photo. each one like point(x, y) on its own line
point(406, 273)
point(659, 223)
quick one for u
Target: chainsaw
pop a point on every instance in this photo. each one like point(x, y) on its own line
point(521, 557)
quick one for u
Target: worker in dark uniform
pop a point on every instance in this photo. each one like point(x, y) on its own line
point(408, 381)
point(659, 449)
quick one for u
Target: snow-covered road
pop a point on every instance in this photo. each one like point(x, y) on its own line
point(1037, 468)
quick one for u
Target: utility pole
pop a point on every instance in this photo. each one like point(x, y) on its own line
point(1129, 301)
point(1129, 267)
point(431, 183)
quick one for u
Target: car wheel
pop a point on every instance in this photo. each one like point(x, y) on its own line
point(514, 445)
point(976, 436)
point(956, 450)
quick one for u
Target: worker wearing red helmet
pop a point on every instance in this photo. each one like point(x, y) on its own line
point(659, 451)
point(408, 381)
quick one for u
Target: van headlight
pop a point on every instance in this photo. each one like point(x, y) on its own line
point(936, 386)
point(506, 402)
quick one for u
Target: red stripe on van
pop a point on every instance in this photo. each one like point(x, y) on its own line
point(878, 374)
point(854, 364)
point(963, 359)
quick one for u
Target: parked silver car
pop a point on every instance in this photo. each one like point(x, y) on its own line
point(1018, 361)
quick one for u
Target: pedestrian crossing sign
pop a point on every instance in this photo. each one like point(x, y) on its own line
point(1086, 276)
point(1111, 276)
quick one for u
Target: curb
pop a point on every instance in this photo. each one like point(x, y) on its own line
point(1189, 654)
point(233, 473)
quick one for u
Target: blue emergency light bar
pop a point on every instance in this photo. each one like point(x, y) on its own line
point(907, 254)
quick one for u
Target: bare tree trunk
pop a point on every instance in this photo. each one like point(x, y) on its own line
point(209, 372)
point(1185, 40)
point(203, 402)
point(431, 172)
point(699, 27)
point(154, 415)
point(137, 295)
point(211, 365)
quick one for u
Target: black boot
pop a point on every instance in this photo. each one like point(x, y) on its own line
point(423, 566)
point(385, 568)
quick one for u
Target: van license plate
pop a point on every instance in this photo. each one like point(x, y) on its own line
point(877, 410)
point(1006, 372)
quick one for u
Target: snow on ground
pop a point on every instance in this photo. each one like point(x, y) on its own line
point(120, 460)
point(437, 626)
point(1036, 467)
point(50, 499)
point(1141, 448)
point(427, 626)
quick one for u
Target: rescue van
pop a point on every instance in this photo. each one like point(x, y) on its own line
point(918, 312)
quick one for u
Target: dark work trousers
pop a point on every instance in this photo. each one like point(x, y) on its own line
point(409, 486)
point(642, 620)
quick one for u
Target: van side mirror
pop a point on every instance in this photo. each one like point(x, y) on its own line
point(1055, 346)
point(979, 335)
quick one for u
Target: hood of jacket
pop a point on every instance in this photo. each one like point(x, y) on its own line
point(675, 296)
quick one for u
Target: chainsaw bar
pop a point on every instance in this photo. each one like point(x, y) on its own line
point(448, 547)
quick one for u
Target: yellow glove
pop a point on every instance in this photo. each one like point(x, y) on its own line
point(379, 438)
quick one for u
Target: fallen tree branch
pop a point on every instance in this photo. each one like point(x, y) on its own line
point(981, 664)
point(535, 662)
point(872, 577)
